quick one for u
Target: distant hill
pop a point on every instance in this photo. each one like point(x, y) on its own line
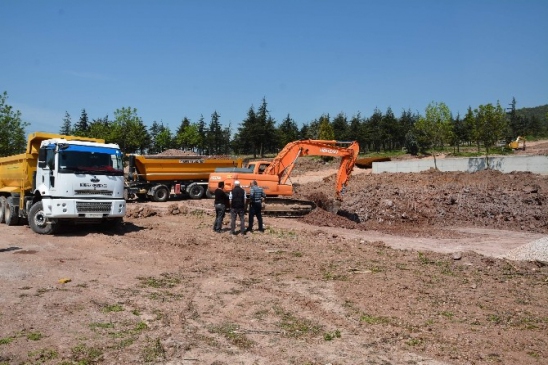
point(539, 112)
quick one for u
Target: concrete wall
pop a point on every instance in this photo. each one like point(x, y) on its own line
point(506, 164)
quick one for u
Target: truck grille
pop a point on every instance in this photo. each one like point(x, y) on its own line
point(93, 207)
point(93, 192)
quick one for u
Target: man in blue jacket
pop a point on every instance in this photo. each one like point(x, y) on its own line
point(256, 198)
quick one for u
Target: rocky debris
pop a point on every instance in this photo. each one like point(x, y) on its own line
point(533, 251)
point(141, 212)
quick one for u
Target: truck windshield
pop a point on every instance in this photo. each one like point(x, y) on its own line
point(104, 161)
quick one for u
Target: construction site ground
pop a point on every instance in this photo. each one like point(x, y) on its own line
point(412, 271)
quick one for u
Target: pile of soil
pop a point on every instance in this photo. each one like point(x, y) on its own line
point(399, 201)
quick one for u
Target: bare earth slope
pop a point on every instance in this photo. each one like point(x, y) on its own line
point(417, 275)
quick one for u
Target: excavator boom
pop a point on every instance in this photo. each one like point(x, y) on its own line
point(283, 164)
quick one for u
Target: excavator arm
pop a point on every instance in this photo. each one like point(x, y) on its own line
point(283, 164)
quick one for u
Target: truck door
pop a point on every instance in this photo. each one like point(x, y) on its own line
point(45, 176)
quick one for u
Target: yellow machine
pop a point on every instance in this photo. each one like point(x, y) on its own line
point(515, 145)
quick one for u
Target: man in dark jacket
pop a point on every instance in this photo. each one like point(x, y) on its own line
point(237, 207)
point(221, 203)
point(256, 197)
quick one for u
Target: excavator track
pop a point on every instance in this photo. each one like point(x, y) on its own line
point(288, 208)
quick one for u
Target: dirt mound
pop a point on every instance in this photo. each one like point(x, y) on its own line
point(491, 199)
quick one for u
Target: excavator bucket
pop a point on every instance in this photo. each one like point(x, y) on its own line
point(367, 162)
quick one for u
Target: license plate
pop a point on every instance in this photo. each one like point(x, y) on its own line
point(94, 215)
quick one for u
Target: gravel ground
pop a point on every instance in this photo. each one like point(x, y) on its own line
point(533, 251)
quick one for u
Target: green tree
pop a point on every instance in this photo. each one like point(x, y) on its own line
point(12, 129)
point(215, 136)
point(203, 135)
point(190, 137)
point(67, 124)
point(471, 127)
point(129, 131)
point(340, 127)
point(389, 130)
point(356, 130)
point(164, 139)
point(434, 129)
point(492, 124)
point(459, 133)
point(374, 133)
point(326, 131)
point(81, 128)
point(101, 128)
point(265, 130)
point(185, 123)
point(287, 131)
point(161, 138)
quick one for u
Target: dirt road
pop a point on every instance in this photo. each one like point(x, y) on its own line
point(416, 278)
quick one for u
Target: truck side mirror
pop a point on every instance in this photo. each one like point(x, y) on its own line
point(42, 158)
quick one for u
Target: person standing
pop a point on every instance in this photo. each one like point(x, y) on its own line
point(221, 203)
point(237, 207)
point(256, 197)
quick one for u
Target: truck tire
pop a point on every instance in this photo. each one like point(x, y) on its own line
point(209, 194)
point(3, 204)
point(11, 213)
point(38, 221)
point(160, 194)
point(195, 191)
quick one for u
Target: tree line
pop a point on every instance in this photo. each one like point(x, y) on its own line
point(259, 134)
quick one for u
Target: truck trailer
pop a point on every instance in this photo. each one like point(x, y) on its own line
point(158, 177)
point(62, 179)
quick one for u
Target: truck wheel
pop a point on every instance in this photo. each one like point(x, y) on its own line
point(209, 194)
point(196, 191)
point(2, 209)
point(11, 213)
point(161, 194)
point(38, 221)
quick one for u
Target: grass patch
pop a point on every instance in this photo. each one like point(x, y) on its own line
point(153, 351)
point(6, 340)
point(34, 336)
point(329, 336)
point(84, 355)
point(101, 325)
point(369, 319)
point(296, 327)
point(113, 308)
point(164, 296)
point(231, 332)
point(42, 356)
point(165, 280)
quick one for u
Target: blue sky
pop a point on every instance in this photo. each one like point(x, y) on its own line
point(175, 59)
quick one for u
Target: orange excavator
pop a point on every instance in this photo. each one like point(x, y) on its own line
point(273, 176)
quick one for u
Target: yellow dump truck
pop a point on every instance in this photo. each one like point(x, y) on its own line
point(61, 179)
point(157, 177)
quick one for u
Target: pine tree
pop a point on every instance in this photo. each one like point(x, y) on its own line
point(81, 128)
point(67, 124)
